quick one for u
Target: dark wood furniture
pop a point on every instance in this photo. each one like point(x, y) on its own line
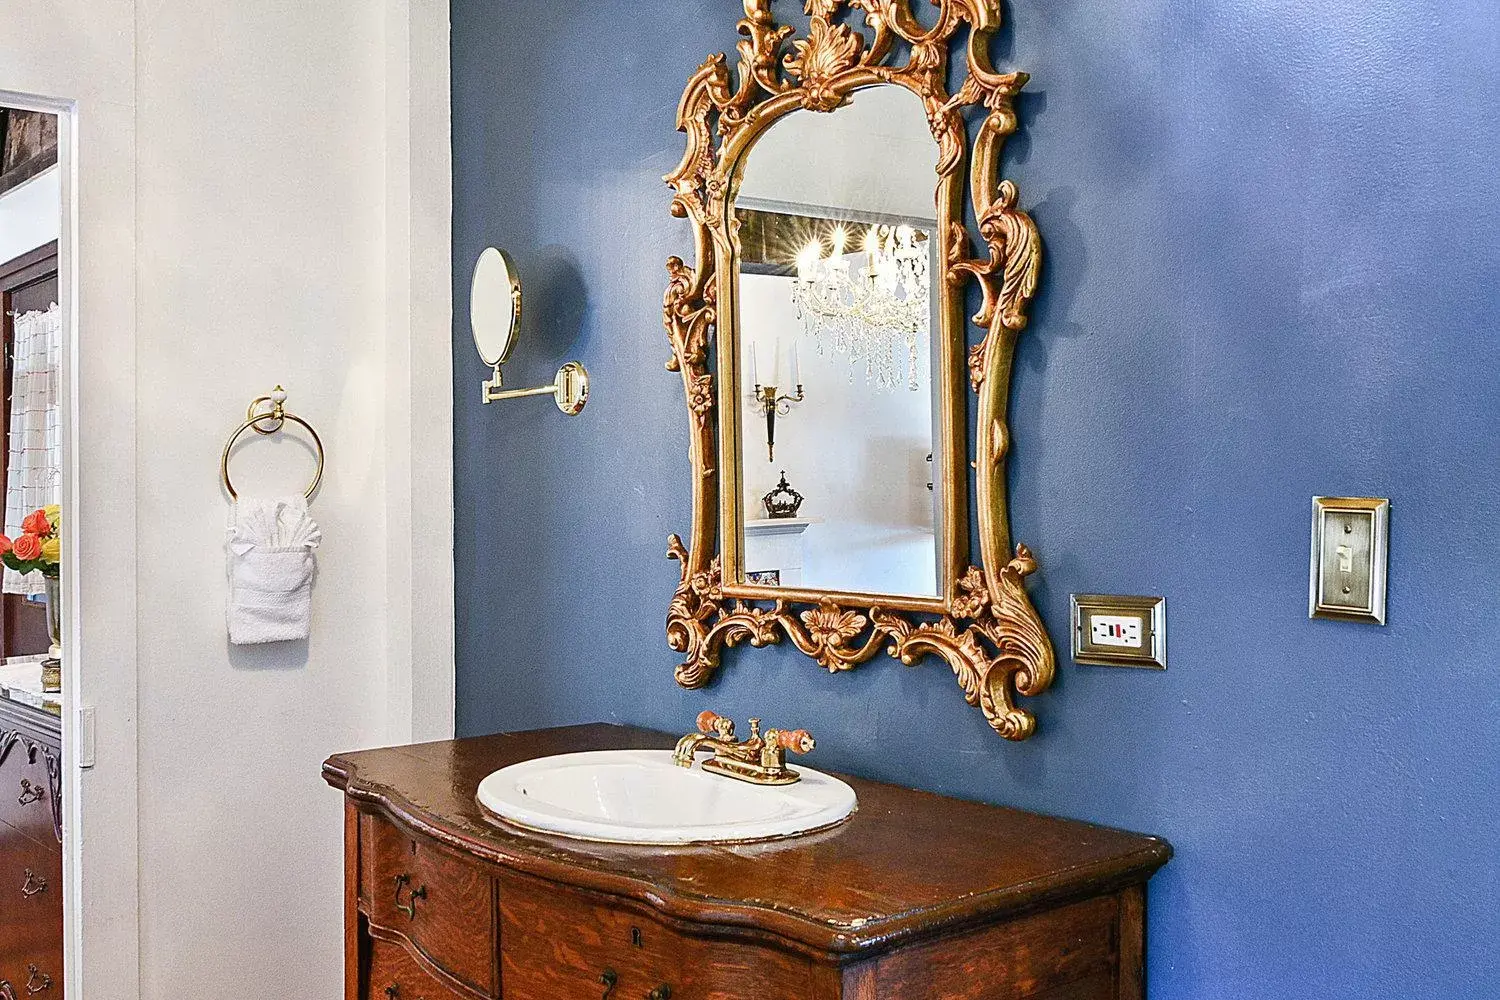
point(31, 909)
point(915, 896)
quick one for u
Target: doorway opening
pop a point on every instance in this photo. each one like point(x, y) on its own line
point(34, 342)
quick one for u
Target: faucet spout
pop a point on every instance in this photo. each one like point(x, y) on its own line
point(687, 747)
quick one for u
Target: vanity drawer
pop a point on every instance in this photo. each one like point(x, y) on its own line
point(442, 904)
point(1070, 953)
point(26, 793)
point(561, 944)
point(395, 975)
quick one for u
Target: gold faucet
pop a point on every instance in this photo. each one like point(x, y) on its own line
point(760, 760)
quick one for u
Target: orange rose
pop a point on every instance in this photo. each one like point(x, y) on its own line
point(36, 523)
point(5, 544)
point(27, 548)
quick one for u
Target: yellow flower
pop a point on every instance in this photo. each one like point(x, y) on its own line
point(52, 549)
point(54, 515)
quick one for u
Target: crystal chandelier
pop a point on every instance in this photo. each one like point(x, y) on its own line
point(868, 313)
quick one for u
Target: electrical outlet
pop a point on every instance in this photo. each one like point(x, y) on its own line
point(1118, 631)
point(1123, 631)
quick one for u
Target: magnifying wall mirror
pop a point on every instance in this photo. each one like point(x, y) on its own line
point(825, 354)
point(495, 306)
point(495, 320)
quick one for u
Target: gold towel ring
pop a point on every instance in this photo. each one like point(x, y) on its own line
point(278, 416)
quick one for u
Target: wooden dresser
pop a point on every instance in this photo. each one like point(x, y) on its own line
point(915, 896)
point(31, 914)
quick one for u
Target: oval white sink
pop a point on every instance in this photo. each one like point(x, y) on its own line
point(642, 797)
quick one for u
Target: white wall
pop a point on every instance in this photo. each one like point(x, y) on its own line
point(31, 214)
point(266, 186)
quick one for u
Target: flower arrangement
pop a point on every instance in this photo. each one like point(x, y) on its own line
point(38, 547)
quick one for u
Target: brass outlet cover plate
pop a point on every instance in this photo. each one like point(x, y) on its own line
point(1347, 575)
point(1111, 630)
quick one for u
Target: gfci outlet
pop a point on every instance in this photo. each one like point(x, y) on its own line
point(1120, 631)
point(1116, 630)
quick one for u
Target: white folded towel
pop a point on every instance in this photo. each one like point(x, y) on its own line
point(271, 542)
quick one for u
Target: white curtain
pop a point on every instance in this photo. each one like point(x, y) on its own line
point(35, 477)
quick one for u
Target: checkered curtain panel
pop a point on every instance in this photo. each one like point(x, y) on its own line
point(35, 478)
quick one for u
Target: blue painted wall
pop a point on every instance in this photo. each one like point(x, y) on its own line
point(1272, 230)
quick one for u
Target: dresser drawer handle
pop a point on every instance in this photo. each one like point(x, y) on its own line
point(37, 982)
point(34, 885)
point(7, 991)
point(608, 979)
point(662, 992)
point(393, 992)
point(410, 909)
point(30, 793)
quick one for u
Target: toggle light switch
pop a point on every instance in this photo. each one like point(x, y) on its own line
point(1120, 631)
point(1347, 578)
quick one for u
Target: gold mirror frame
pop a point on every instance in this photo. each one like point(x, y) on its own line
point(985, 626)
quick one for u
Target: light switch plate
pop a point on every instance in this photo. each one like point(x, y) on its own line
point(1116, 631)
point(1347, 576)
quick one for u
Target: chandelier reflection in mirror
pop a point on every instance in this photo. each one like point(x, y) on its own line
point(868, 305)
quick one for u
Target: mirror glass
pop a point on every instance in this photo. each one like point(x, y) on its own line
point(33, 335)
point(837, 314)
point(495, 306)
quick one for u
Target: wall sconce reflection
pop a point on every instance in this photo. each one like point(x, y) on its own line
point(768, 400)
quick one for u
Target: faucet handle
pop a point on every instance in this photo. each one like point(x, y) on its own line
point(795, 740)
point(710, 722)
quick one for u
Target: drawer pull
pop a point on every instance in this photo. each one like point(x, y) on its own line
point(410, 909)
point(608, 978)
point(7, 991)
point(34, 884)
point(30, 793)
point(662, 992)
point(37, 982)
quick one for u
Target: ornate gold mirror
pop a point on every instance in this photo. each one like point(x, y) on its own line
point(822, 340)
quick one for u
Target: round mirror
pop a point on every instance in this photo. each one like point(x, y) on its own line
point(495, 306)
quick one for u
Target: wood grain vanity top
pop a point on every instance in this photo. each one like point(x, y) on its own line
point(907, 864)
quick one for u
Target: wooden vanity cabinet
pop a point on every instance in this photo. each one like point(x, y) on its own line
point(915, 897)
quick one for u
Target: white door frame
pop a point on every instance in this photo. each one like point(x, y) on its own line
point(99, 663)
